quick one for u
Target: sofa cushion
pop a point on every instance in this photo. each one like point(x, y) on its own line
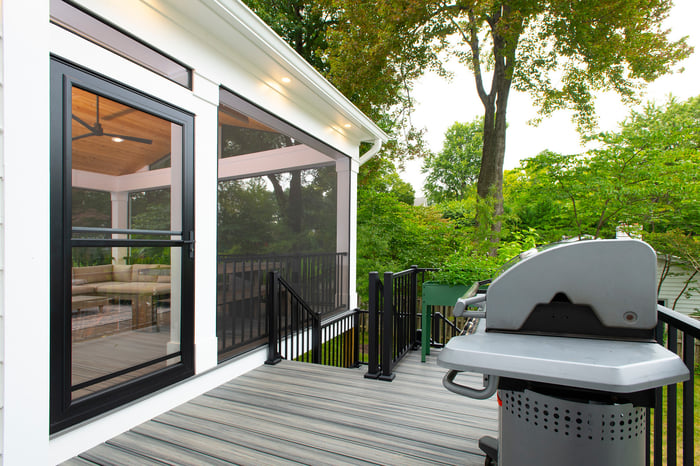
point(133, 288)
point(149, 272)
point(142, 273)
point(121, 273)
point(93, 273)
point(86, 288)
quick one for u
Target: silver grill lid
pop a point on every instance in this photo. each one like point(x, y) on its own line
point(615, 278)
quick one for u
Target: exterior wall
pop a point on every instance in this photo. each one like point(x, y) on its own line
point(2, 245)
point(27, 41)
point(674, 283)
point(25, 150)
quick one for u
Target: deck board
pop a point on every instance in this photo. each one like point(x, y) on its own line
point(298, 413)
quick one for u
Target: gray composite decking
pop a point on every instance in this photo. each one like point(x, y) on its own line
point(311, 414)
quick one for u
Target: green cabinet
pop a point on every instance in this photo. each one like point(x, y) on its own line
point(436, 294)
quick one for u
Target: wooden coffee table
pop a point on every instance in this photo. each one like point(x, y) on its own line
point(85, 301)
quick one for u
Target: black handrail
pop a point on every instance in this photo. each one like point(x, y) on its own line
point(296, 331)
point(670, 324)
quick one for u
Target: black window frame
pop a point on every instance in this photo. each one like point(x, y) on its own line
point(65, 412)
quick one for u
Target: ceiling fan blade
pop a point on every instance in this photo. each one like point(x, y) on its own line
point(129, 138)
point(118, 114)
point(86, 135)
point(92, 129)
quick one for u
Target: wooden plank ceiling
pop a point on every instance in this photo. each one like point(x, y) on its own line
point(100, 153)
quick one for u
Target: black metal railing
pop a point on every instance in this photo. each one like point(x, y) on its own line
point(297, 332)
point(679, 334)
point(444, 325)
point(321, 279)
point(392, 325)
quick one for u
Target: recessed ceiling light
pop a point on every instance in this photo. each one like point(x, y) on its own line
point(115, 139)
point(347, 125)
point(286, 80)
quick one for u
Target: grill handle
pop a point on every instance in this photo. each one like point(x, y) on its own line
point(490, 386)
point(462, 304)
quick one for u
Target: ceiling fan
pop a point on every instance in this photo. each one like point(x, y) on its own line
point(97, 130)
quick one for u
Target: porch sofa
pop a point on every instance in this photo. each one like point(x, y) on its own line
point(142, 284)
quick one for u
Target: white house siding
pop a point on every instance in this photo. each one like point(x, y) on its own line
point(24, 295)
point(674, 283)
point(2, 245)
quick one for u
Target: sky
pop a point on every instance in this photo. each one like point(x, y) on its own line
point(439, 103)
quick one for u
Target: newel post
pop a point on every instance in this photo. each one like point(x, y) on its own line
point(413, 301)
point(316, 339)
point(273, 309)
point(387, 328)
point(373, 327)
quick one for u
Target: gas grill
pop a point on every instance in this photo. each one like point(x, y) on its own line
point(567, 341)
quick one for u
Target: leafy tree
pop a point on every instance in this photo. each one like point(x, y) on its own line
point(393, 235)
point(453, 170)
point(379, 174)
point(307, 27)
point(684, 248)
point(254, 214)
point(645, 173)
point(302, 24)
point(559, 51)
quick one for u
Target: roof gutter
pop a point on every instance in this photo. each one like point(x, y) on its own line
point(372, 151)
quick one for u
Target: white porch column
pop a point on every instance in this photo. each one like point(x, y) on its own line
point(24, 335)
point(345, 222)
point(120, 219)
point(175, 224)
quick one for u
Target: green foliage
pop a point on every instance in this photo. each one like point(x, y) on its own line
point(280, 213)
point(453, 171)
point(149, 210)
point(561, 56)
point(380, 175)
point(90, 209)
point(473, 264)
point(393, 235)
point(678, 244)
point(466, 267)
point(644, 174)
point(302, 24)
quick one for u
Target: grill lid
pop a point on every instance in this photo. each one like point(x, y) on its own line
point(595, 288)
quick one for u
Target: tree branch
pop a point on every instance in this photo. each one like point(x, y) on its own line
point(685, 287)
point(476, 60)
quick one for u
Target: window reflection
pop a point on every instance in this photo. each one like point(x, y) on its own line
point(126, 176)
point(121, 317)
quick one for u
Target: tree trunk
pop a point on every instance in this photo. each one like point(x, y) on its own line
point(490, 183)
point(489, 186)
point(290, 204)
